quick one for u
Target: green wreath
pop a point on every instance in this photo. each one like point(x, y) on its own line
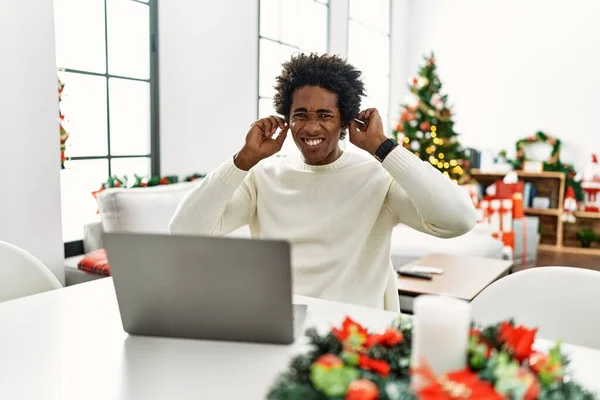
point(553, 164)
point(538, 137)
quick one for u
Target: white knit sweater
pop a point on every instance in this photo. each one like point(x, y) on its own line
point(338, 217)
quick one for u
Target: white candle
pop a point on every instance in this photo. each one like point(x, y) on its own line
point(440, 333)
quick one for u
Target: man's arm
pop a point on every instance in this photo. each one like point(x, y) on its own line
point(419, 195)
point(220, 204)
point(424, 199)
point(226, 199)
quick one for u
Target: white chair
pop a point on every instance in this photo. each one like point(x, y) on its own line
point(21, 274)
point(561, 301)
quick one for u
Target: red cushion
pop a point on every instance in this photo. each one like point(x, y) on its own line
point(95, 262)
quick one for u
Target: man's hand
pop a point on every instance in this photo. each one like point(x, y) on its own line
point(370, 136)
point(260, 143)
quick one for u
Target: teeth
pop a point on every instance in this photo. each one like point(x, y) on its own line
point(314, 142)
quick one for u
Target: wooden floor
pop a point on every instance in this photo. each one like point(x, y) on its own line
point(552, 258)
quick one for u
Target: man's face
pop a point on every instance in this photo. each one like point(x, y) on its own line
point(316, 124)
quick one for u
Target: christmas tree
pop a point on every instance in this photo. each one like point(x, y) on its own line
point(426, 127)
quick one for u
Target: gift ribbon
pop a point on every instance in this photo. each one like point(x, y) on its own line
point(524, 242)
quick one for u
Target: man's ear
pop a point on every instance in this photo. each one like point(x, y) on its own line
point(344, 131)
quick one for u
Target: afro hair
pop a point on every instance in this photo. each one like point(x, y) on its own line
point(330, 72)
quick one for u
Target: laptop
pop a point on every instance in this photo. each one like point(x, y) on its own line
point(201, 287)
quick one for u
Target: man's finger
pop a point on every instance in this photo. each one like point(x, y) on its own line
point(281, 122)
point(266, 123)
point(282, 135)
point(353, 129)
point(274, 125)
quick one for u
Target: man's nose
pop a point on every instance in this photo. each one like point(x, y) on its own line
point(312, 125)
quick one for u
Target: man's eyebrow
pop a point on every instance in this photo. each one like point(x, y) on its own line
point(301, 109)
point(324, 110)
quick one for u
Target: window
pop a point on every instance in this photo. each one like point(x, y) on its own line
point(369, 36)
point(277, 41)
point(106, 57)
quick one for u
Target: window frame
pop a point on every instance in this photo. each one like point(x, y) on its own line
point(259, 37)
point(74, 248)
point(386, 124)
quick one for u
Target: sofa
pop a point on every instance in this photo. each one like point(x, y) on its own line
point(149, 210)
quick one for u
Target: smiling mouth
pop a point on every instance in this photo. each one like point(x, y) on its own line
point(313, 142)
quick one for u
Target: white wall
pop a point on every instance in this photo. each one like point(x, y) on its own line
point(208, 81)
point(399, 62)
point(208, 76)
point(30, 150)
point(338, 26)
point(514, 67)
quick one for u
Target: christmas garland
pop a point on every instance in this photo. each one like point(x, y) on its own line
point(351, 363)
point(553, 164)
point(140, 181)
point(64, 135)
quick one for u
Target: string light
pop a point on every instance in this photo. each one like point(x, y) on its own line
point(433, 134)
point(446, 174)
point(406, 140)
point(440, 165)
point(453, 163)
point(418, 154)
point(428, 150)
point(441, 156)
point(440, 141)
point(433, 160)
point(446, 165)
point(433, 128)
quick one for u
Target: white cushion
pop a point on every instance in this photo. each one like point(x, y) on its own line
point(142, 210)
point(409, 245)
point(92, 236)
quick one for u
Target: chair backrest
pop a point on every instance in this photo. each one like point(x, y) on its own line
point(563, 302)
point(21, 274)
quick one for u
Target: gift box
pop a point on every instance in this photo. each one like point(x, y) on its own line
point(526, 236)
point(512, 191)
point(498, 212)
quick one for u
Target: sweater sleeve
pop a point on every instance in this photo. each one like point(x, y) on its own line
point(223, 202)
point(421, 197)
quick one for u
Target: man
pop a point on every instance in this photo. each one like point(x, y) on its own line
point(336, 208)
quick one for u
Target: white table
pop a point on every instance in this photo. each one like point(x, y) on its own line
point(69, 344)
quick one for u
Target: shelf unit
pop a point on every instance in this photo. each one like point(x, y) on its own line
point(586, 214)
point(537, 211)
point(556, 235)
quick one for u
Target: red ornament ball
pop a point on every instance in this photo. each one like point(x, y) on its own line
point(362, 389)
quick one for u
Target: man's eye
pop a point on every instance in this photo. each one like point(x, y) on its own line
point(300, 116)
point(325, 116)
